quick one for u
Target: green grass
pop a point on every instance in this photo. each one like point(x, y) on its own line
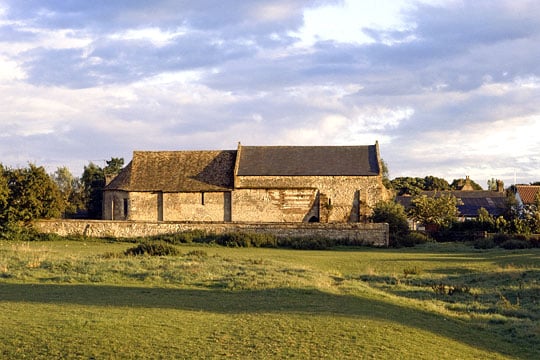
point(84, 300)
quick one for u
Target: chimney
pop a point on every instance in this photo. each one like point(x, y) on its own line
point(500, 186)
point(468, 186)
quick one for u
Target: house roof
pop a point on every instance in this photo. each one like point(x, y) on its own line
point(527, 193)
point(469, 201)
point(173, 171)
point(308, 161)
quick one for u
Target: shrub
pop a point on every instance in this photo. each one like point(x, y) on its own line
point(197, 254)
point(411, 239)
point(515, 244)
point(445, 289)
point(534, 242)
point(413, 270)
point(152, 249)
point(184, 237)
point(394, 214)
point(485, 243)
point(500, 238)
point(307, 243)
point(240, 239)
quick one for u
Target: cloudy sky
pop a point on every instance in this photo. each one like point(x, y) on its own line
point(448, 88)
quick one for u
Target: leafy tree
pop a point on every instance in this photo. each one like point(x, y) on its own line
point(512, 209)
point(113, 166)
point(385, 175)
point(484, 216)
point(4, 196)
point(32, 195)
point(438, 210)
point(408, 185)
point(485, 221)
point(93, 181)
point(71, 189)
point(394, 214)
point(531, 216)
point(435, 183)
point(415, 185)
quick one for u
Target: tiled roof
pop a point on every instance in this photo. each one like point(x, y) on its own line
point(122, 180)
point(184, 171)
point(173, 171)
point(527, 193)
point(308, 161)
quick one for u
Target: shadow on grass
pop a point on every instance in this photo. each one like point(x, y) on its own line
point(280, 300)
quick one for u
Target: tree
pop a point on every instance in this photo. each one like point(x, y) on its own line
point(113, 166)
point(485, 221)
point(530, 215)
point(385, 175)
point(415, 185)
point(435, 183)
point(71, 189)
point(64, 180)
point(394, 214)
point(408, 185)
point(512, 209)
point(32, 195)
point(4, 196)
point(93, 181)
point(440, 209)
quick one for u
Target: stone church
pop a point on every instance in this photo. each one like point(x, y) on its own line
point(249, 184)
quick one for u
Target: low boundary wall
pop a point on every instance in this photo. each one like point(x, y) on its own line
point(375, 234)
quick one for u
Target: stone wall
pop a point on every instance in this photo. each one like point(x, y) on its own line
point(196, 206)
point(344, 199)
point(159, 206)
point(115, 205)
point(274, 205)
point(375, 234)
point(349, 198)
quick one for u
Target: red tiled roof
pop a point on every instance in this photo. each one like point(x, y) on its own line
point(527, 193)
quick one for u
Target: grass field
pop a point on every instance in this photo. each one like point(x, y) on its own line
point(87, 300)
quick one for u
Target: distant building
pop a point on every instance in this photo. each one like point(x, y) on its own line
point(250, 184)
point(469, 200)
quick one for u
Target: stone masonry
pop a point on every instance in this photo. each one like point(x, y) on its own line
point(357, 233)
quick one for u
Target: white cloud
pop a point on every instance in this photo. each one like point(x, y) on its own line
point(368, 125)
point(443, 95)
point(10, 70)
point(346, 22)
point(154, 35)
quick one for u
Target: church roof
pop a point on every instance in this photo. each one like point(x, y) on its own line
point(308, 161)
